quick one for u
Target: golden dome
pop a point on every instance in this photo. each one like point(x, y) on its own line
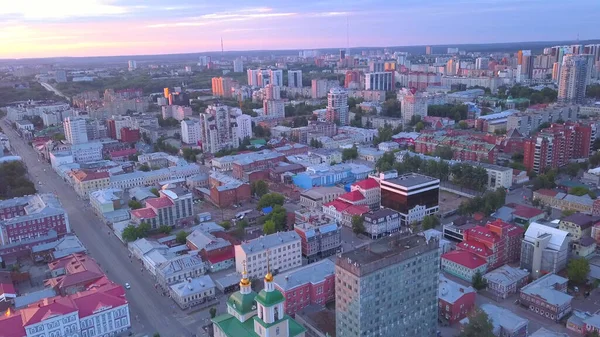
point(245, 281)
point(269, 277)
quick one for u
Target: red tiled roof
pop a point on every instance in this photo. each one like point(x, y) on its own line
point(12, 326)
point(7, 288)
point(474, 247)
point(161, 202)
point(219, 256)
point(367, 184)
point(357, 210)
point(90, 301)
point(352, 196)
point(481, 233)
point(122, 153)
point(527, 212)
point(143, 213)
point(466, 259)
point(41, 310)
point(339, 205)
point(547, 192)
point(87, 176)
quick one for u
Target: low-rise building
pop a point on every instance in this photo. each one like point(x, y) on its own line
point(547, 297)
point(320, 238)
point(505, 281)
point(179, 269)
point(505, 322)
point(455, 301)
point(310, 284)
point(544, 249)
point(281, 250)
point(314, 198)
point(584, 247)
point(381, 222)
point(463, 264)
point(73, 273)
point(564, 201)
point(192, 291)
point(171, 208)
point(578, 225)
point(217, 252)
point(371, 191)
point(576, 322)
point(86, 182)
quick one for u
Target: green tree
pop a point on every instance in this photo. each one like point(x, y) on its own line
point(225, 224)
point(419, 126)
point(155, 192)
point(592, 334)
point(351, 153)
point(259, 188)
point(165, 229)
point(156, 334)
point(181, 237)
point(463, 125)
point(444, 152)
point(270, 199)
point(386, 162)
point(480, 325)
point(213, 312)
point(130, 233)
point(134, 204)
point(279, 216)
point(358, 224)
point(478, 281)
point(242, 223)
point(578, 270)
point(144, 229)
point(269, 227)
point(579, 190)
point(567, 212)
point(430, 221)
point(572, 169)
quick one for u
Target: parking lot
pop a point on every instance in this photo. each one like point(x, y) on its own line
point(449, 201)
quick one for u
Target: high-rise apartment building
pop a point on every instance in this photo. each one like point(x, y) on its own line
point(412, 103)
point(274, 108)
point(244, 126)
point(190, 131)
point(574, 77)
point(253, 77)
point(556, 146)
point(352, 80)
point(413, 195)
point(380, 81)
point(75, 130)
point(428, 50)
point(218, 129)
point(525, 61)
point(319, 88)
point(376, 66)
point(238, 66)
point(388, 288)
point(221, 86)
point(131, 65)
point(295, 78)
point(272, 92)
point(337, 106)
point(481, 63)
point(276, 76)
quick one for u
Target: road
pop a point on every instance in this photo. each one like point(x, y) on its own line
point(150, 312)
point(54, 90)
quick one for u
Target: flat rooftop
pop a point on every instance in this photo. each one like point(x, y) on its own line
point(385, 252)
point(411, 179)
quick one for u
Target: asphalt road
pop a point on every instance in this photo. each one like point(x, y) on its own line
point(53, 89)
point(149, 311)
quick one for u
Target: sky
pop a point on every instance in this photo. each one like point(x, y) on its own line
point(43, 28)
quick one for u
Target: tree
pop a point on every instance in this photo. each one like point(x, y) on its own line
point(144, 229)
point(578, 270)
point(592, 334)
point(144, 168)
point(478, 281)
point(213, 312)
point(154, 191)
point(351, 153)
point(225, 224)
point(480, 325)
point(130, 233)
point(567, 212)
point(358, 224)
point(386, 162)
point(259, 188)
point(579, 190)
point(270, 199)
point(134, 204)
point(269, 227)
point(572, 169)
point(419, 126)
point(430, 221)
point(444, 152)
point(181, 237)
point(463, 125)
point(165, 229)
point(279, 216)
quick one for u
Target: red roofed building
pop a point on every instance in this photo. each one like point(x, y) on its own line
point(497, 242)
point(463, 264)
point(353, 198)
point(129, 135)
point(371, 190)
point(348, 213)
point(98, 311)
point(122, 155)
point(73, 274)
point(172, 207)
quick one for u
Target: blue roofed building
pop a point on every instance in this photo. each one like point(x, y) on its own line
point(326, 175)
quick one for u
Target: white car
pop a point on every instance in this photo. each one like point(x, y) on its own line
point(127, 286)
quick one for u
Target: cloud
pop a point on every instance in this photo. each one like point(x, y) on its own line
point(233, 30)
point(329, 14)
point(220, 17)
point(62, 9)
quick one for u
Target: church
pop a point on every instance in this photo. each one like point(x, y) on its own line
point(256, 315)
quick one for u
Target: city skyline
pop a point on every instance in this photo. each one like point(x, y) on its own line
point(134, 27)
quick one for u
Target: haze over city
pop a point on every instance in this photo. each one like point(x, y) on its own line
point(39, 28)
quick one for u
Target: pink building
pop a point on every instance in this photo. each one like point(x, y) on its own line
point(311, 284)
point(371, 190)
point(172, 207)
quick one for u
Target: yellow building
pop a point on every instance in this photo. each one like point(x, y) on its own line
point(578, 225)
point(86, 182)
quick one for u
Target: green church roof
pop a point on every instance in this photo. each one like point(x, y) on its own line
point(269, 299)
point(234, 328)
point(242, 303)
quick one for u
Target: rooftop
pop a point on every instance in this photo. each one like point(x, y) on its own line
point(450, 291)
point(506, 275)
point(313, 273)
point(193, 286)
point(464, 258)
point(544, 288)
point(269, 241)
point(366, 184)
point(537, 230)
point(582, 220)
point(543, 332)
point(411, 180)
point(503, 318)
point(352, 196)
point(384, 252)
point(180, 263)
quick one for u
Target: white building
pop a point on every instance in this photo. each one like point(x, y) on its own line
point(75, 130)
point(498, 176)
point(379, 81)
point(337, 106)
point(131, 65)
point(276, 76)
point(238, 66)
point(190, 131)
point(193, 291)
point(575, 74)
point(274, 108)
point(244, 126)
point(412, 104)
point(218, 129)
point(253, 77)
point(281, 250)
point(87, 152)
point(319, 88)
point(50, 118)
point(295, 78)
point(176, 111)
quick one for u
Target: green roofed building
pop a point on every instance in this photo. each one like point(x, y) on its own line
point(256, 315)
